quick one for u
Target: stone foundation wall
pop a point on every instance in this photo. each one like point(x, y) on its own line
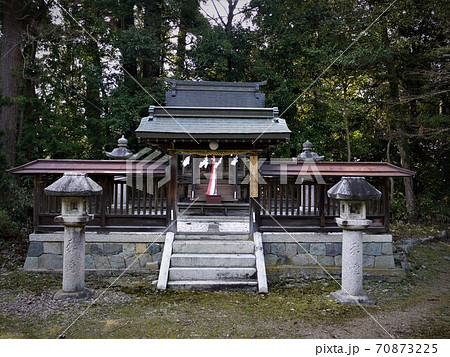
point(326, 249)
point(118, 251)
point(104, 252)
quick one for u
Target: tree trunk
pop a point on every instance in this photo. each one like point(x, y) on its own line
point(394, 94)
point(231, 7)
point(181, 50)
point(347, 129)
point(388, 156)
point(152, 66)
point(408, 181)
point(10, 73)
point(129, 62)
point(92, 104)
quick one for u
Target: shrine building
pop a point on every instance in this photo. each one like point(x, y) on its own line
point(203, 207)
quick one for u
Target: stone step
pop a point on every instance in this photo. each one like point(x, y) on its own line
point(209, 219)
point(247, 285)
point(212, 236)
point(213, 246)
point(213, 260)
point(210, 273)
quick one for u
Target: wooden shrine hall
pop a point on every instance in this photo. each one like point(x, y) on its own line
point(202, 120)
point(202, 157)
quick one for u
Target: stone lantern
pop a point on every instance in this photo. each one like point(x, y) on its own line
point(121, 152)
point(74, 190)
point(308, 154)
point(352, 192)
point(308, 193)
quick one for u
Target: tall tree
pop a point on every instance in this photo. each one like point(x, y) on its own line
point(10, 73)
point(223, 51)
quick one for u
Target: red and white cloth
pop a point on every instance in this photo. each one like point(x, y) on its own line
point(212, 186)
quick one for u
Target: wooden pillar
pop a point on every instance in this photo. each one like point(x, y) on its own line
point(172, 207)
point(37, 201)
point(103, 201)
point(323, 193)
point(194, 169)
point(235, 186)
point(385, 196)
point(254, 175)
point(254, 193)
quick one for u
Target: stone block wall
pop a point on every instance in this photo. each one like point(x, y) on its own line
point(143, 251)
point(312, 249)
point(104, 252)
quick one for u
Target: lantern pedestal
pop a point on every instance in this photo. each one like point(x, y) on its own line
point(352, 262)
point(73, 286)
point(77, 295)
point(345, 298)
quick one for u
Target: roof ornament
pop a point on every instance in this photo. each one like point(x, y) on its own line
point(308, 154)
point(121, 152)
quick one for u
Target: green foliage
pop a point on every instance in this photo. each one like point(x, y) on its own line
point(382, 98)
point(430, 208)
point(16, 207)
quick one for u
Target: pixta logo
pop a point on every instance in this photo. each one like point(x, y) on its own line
point(146, 164)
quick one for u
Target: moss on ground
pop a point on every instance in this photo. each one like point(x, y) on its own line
point(402, 230)
point(132, 308)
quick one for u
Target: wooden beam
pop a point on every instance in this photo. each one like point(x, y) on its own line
point(254, 193)
point(235, 186)
point(322, 195)
point(254, 175)
point(194, 169)
point(172, 194)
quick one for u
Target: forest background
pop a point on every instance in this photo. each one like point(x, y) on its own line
point(371, 79)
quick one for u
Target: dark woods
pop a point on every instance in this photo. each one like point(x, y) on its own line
point(74, 75)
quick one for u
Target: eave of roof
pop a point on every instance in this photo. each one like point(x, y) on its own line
point(336, 169)
point(93, 167)
point(119, 167)
point(212, 123)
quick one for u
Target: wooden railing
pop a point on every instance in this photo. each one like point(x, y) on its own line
point(290, 199)
point(307, 207)
point(130, 206)
point(122, 206)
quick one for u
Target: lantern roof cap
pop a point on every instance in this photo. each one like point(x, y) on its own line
point(353, 188)
point(308, 154)
point(122, 151)
point(74, 185)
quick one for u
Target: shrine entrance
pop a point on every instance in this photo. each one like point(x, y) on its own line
point(214, 186)
point(227, 211)
point(195, 175)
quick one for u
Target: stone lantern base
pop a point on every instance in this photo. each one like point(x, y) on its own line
point(345, 298)
point(77, 295)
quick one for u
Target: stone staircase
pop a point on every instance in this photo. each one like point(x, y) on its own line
point(211, 261)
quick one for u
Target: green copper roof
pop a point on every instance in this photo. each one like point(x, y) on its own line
point(212, 123)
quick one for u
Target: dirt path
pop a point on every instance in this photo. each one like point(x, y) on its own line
point(427, 316)
point(405, 322)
